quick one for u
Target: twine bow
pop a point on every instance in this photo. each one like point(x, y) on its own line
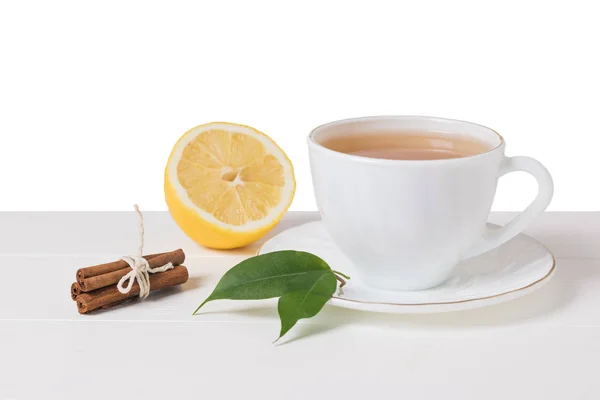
point(140, 268)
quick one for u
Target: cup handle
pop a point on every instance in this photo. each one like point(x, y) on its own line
point(492, 238)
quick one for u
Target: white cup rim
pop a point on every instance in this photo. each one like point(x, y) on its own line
point(314, 144)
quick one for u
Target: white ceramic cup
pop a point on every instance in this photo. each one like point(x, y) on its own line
point(405, 224)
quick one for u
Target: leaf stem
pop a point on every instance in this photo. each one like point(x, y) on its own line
point(339, 273)
point(340, 279)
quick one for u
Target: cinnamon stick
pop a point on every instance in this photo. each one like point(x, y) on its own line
point(75, 290)
point(101, 269)
point(176, 257)
point(110, 295)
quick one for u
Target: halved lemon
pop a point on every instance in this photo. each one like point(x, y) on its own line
point(227, 185)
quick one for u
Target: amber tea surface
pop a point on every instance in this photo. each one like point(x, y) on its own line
point(407, 145)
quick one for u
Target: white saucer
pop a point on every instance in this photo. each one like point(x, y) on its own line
point(512, 270)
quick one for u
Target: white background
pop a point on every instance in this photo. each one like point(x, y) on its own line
point(93, 95)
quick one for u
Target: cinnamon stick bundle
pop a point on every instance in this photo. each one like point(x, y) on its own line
point(110, 295)
point(99, 276)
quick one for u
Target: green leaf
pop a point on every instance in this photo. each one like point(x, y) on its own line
point(304, 297)
point(265, 276)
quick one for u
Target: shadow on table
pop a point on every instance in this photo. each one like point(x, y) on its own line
point(303, 329)
point(554, 298)
point(290, 221)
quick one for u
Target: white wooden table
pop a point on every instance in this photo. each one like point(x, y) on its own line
point(542, 346)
